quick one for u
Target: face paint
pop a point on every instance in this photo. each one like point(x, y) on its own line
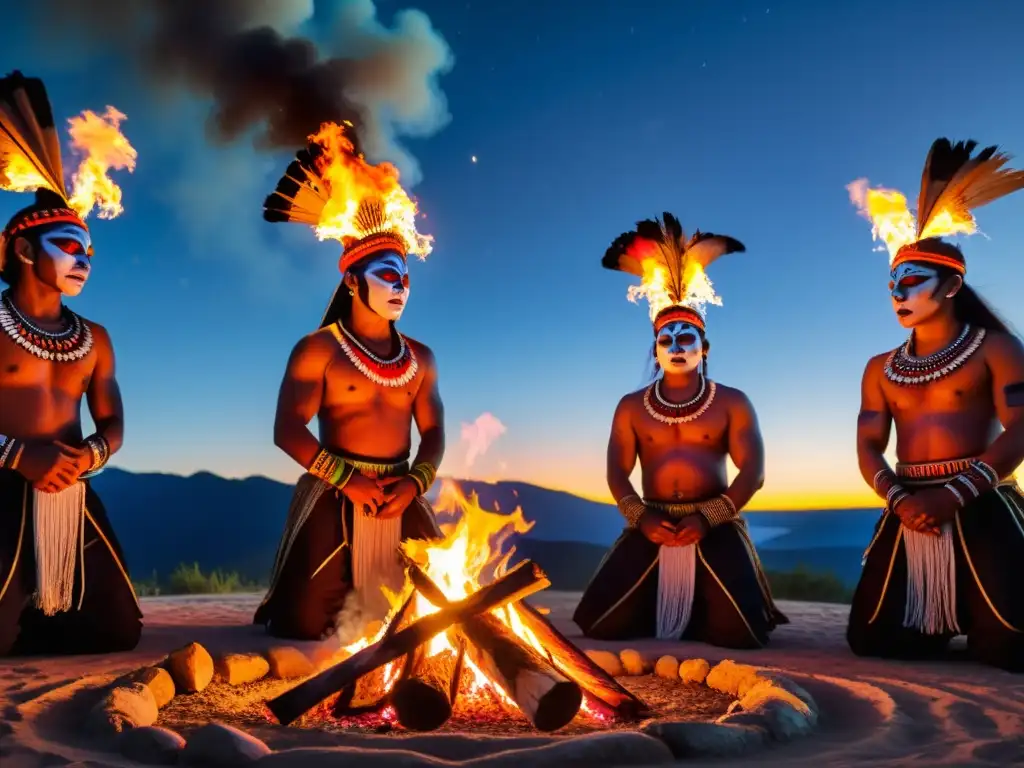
point(913, 288)
point(387, 284)
point(679, 348)
point(64, 258)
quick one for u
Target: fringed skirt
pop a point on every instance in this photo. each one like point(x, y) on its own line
point(714, 591)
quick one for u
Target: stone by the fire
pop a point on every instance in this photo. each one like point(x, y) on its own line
point(287, 662)
point(634, 662)
point(730, 677)
point(191, 667)
point(125, 707)
point(158, 680)
point(616, 748)
point(240, 668)
point(667, 667)
point(786, 713)
point(691, 739)
point(694, 670)
point(216, 744)
point(151, 745)
point(607, 661)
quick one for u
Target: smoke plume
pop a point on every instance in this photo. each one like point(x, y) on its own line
point(480, 435)
point(266, 81)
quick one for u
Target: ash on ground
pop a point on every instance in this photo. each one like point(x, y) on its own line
point(482, 714)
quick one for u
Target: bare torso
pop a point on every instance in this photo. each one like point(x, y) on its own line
point(687, 461)
point(359, 417)
point(41, 399)
point(951, 418)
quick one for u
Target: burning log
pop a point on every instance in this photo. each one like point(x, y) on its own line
point(518, 583)
point(547, 697)
point(572, 661)
point(424, 696)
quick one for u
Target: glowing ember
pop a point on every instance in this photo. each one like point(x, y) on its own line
point(472, 552)
point(351, 180)
point(102, 146)
point(894, 224)
point(698, 291)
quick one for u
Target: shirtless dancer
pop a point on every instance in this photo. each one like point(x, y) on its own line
point(64, 587)
point(945, 556)
point(366, 383)
point(685, 565)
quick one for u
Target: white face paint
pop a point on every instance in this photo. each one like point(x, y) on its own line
point(913, 288)
point(387, 283)
point(64, 258)
point(679, 348)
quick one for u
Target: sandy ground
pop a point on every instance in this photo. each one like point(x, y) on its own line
point(886, 713)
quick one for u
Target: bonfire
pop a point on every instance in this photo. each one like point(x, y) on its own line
point(460, 635)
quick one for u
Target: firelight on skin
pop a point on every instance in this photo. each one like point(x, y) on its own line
point(65, 254)
point(913, 287)
point(679, 348)
point(387, 285)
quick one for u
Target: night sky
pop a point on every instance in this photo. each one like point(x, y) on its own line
point(743, 118)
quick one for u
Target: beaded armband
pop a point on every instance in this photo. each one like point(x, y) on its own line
point(8, 451)
point(977, 479)
point(332, 469)
point(100, 450)
point(424, 474)
point(632, 508)
point(718, 510)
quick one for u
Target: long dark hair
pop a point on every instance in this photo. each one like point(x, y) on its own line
point(340, 306)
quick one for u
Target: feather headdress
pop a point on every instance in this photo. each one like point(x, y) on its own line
point(671, 267)
point(953, 185)
point(330, 187)
point(30, 159)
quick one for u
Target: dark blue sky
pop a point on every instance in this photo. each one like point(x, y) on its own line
point(743, 118)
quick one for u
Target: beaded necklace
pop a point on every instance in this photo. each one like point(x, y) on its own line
point(667, 412)
point(68, 345)
point(396, 372)
point(903, 368)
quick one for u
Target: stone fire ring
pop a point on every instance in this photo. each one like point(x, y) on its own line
point(768, 708)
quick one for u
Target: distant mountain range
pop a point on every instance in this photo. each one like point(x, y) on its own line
point(163, 520)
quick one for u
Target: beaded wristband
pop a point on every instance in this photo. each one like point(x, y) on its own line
point(884, 481)
point(424, 474)
point(975, 480)
point(331, 469)
point(632, 508)
point(718, 510)
point(987, 470)
point(100, 449)
point(6, 447)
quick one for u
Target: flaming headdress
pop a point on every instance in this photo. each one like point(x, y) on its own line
point(671, 267)
point(30, 159)
point(952, 186)
point(332, 188)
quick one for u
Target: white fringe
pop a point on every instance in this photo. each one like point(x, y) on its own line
point(375, 561)
point(58, 519)
point(931, 582)
point(677, 573)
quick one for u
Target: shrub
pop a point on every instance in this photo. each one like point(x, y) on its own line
point(190, 580)
point(809, 586)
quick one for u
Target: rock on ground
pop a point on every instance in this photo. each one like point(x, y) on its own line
point(287, 662)
point(191, 667)
point(667, 667)
point(159, 681)
point(125, 707)
point(729, 677)
point(690, 739)
point(634, 662)
point(216, 744)
point(239, 668)
point(151, 745)
point(694, 671)
point(607, 661)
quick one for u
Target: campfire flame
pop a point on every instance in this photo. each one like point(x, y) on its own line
point(98, 140)
point(472, 551)
point(351, 180)
point(697, 291)
point(894, 224)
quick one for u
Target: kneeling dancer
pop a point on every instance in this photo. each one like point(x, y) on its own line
point(64, 587)
point(366, 383)
point(685, 566)
point(944, 555)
